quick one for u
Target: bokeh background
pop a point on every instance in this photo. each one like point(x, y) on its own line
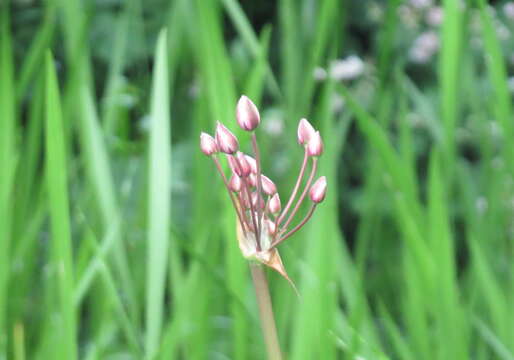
point(117, 239)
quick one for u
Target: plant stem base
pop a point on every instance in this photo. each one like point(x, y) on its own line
point(269, 328)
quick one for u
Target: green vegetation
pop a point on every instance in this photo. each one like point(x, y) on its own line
point(117, 239)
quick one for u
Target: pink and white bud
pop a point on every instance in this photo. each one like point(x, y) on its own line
point(208, 144)
point(305, 132)
point(252, 180)
point(246, 169)
point(252, 162)
point(274, 205)
point(271, 227)
point(235, 183)
point(268, 186)
point(318, 190)
point(244, 200)
point(227, 142)
point(247, 114)
point(315, 145)
point(257, 201)
point(232, 162)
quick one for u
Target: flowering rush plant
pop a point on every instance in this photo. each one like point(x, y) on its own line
point(262, 222)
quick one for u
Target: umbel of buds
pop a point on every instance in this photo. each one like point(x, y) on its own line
point(262, 222)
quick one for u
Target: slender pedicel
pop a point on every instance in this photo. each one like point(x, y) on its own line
point(246, 188)
point(295, 189)
point(259, 179)
point(317, 195)
point(297, 227)
point(307, 186)
point(238, 208)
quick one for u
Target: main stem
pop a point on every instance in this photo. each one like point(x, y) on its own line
point(269, 328)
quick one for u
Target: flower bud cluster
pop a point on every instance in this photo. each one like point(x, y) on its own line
point(253, 194)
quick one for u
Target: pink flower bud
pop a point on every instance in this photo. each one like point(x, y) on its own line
point(268, 186)
point(274, 205)
point(234, 183)
point(245, 166)
point(252, 180)
point(247, 114)
point(271, 227)
point(315, 145)
point(244, 200)
point(318, 190)
point(252, 162)
point(305, 132)
point(227, 142)
point(232, 162)
point(208, 144)
point(257, 201)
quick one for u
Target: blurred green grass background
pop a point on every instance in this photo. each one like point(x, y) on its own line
point(117, 240)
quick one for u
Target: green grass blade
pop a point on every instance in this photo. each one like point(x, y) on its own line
point(94, 150)
point(256, 47)
point(494, 342)
point(110, 101)
point(449, 65)
point(59, 212)
point(35, 56)
point(501, 102)
point(314, 318)
point(254, 85)
point(159, 199)
point(7, 161)
point(450, 319)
